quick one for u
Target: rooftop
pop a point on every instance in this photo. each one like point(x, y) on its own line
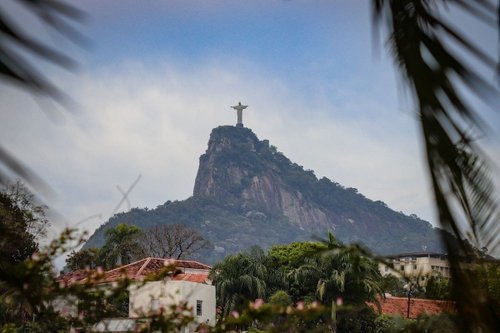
point(418, 255)
point(140, 269)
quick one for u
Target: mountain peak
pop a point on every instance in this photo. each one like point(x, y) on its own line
point(232, 155)
point(240, 171)
point(232, 137)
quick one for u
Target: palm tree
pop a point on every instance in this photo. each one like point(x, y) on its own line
point(420, 39)
point(238, 279)
point(121, 246)
point(346, 272)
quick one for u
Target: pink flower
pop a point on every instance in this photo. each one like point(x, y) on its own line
point(168, 262)
point(300, 305)
point(257, 304)
point(234, 314)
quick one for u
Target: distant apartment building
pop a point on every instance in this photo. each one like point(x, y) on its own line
point(421, 265)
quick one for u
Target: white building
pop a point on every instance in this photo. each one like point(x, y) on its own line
point(417, 265)
point(189, 284)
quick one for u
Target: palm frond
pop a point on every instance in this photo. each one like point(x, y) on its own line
point(14, 41)
point(16, 168)
point(462, 186)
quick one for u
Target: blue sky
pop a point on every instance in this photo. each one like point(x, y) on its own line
point(159, 75)
point(306, 44)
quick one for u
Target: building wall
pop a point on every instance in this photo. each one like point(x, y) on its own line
point(422, 267)
point(155, 295)
point(66, 306)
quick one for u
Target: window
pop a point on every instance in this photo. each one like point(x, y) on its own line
point(414, 266)
point(199, 307)
point(402, 267)
point(155, 304)
point(386, 268)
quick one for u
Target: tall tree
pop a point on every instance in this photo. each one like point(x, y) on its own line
point(293, 255)
point(16, 243)
point(172, 241)
point(33, 213)
point(346, 272)
point(429, 53)
point(238, 279)
point(438, 287)
point(84, 258)
point(121, 246)
point(22, 222)
point(288, 258)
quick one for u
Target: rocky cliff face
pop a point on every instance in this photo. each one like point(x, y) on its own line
point(253, 176)
point(247, 193)
point(240, 168)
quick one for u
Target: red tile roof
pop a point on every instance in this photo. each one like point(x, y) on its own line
point(74, 276)
point(144, 267)
point(199, 278)
point(398, 306)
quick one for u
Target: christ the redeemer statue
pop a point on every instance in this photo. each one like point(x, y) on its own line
point(239, 108)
